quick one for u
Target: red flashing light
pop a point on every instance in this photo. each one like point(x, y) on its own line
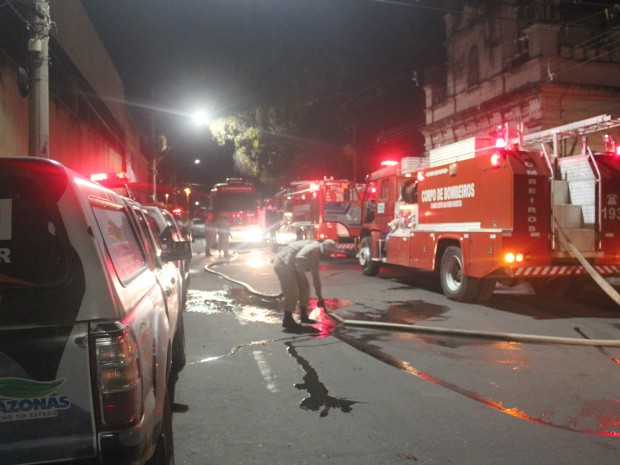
point(618, 151)
point(98, 177)
point(501, 137)
point(389, 163)
point(110, 179)
point(496, 160)
point(420, 176)
point(610, 143)
point(314, 186)
point(373, 190)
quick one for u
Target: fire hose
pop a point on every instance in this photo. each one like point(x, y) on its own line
point(514, 337)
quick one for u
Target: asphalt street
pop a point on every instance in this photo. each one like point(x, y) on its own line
point(254, 394)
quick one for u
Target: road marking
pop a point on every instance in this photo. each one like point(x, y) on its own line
point(265, 370)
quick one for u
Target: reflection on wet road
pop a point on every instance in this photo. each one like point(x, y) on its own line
point(597, 417)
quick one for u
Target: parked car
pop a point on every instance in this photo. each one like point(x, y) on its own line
point(167, 231)
point(87, 330)
point(199, 228)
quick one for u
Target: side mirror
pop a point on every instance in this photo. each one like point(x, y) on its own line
point(165, 238)
point(178, 250)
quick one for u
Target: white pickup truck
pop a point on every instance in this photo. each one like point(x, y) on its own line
point(90, 308)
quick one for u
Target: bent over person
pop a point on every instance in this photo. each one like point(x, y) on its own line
point(290, 265)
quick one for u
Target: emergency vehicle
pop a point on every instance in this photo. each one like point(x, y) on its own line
point(238, 200)
point(91, 322)
point(478, 212)
point(321, 209)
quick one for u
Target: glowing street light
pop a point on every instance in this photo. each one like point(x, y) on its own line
point(200, 118)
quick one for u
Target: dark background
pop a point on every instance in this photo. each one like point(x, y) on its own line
point(348, 66)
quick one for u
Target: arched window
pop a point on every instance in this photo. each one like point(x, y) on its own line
point(473, 67)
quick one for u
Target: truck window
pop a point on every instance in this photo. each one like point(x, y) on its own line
point(31, 253)
point(384, 191)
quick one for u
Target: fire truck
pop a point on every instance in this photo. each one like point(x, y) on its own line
point(478, 212)
point(321, 209)
point(238, 200)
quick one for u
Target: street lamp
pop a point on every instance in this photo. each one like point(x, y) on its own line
point(187, 191)
point(200, 119)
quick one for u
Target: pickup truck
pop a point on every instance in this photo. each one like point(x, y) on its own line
point(89, 313)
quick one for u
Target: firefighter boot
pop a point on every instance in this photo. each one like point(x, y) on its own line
point(303, 312)
point(289, 323)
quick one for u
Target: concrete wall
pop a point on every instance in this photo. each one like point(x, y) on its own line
point(78, 38)
point(13, 111)
point(75, 142)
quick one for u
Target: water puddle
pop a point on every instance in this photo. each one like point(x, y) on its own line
point(410, 312)
point(246, 307)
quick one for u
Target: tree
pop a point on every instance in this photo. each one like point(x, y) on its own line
point(260, 141)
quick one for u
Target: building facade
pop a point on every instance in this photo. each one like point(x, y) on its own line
point(537, 63)
point(90, 127)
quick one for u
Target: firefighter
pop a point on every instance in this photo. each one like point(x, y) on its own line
point(222, 227)
point(291, 265)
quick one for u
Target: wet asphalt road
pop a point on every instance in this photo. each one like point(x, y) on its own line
point(254, 394)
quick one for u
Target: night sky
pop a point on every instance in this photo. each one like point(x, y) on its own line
point(346, 63)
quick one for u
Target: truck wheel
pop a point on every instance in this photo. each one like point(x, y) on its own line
point(486, 289)
point(364, 257)
point(164, 452)
point(455, 285)
point(553, 288)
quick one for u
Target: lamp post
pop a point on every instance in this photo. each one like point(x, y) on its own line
point(199, 119)
point(163, 149)
point(187, 191)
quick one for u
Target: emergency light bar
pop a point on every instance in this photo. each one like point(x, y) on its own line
point(110, 179)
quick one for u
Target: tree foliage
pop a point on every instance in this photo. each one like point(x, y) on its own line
point(259, 139)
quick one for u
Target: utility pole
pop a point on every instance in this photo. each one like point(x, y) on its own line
point(38, 54)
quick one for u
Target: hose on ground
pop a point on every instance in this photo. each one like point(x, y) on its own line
point(512, 337)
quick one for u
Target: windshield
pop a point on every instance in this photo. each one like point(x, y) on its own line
point(230, 202)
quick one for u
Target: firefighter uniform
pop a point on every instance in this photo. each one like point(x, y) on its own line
point(290, 266)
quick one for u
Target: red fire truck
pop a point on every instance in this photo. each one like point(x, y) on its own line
point(477, 213)
point(321, 209)
point(239, 201)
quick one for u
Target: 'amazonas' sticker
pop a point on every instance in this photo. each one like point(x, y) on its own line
point(26, 399)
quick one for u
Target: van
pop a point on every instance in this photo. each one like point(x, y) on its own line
point(87, 323)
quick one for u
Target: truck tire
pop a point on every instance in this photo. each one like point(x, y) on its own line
point(486, 289)
point(455, 285)
point(364, 257)
point(553, 288)
point(164, 452)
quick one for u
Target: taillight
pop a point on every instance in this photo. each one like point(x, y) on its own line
point(119, 383)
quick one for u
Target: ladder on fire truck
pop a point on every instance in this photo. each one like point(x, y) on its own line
point(576, 191)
